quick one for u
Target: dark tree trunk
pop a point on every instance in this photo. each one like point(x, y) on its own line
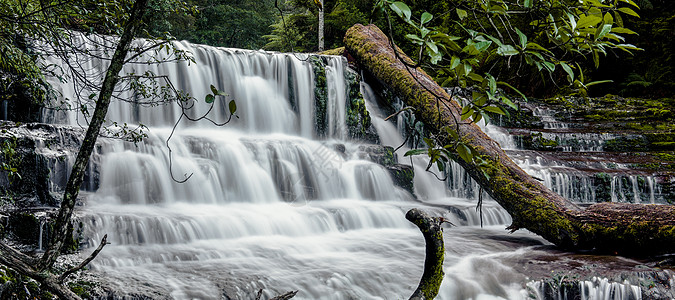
point(623, 228)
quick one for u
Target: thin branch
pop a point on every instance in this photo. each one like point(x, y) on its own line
point(85, 262)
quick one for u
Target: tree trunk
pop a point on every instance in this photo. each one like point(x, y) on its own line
point(39, 269)
point(614, 227)
point(77, 173)
point(321, 38)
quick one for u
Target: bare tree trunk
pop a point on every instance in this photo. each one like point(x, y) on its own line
point(321, 38)
point(623, 228)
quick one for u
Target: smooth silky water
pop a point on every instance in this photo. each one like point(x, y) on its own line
point(269, 205)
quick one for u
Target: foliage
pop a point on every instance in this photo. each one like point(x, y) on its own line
point(647, 73)
point(9, 160)
point(296, 28)
point(477, 40)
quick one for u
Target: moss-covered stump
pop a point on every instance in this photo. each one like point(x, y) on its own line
point(623, 228)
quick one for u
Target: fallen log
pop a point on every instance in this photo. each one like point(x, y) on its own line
point(634, 229)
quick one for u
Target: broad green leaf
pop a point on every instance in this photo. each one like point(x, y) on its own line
point(618, 19)
point(461, 14)
point(214, 90)
point(432, 46)
point(401, 9)
point(507, 50)
point(628, 11)
point(608, 19)
point(492, 84)
point(467, 111)
point(455, 62)
point(475, 77)
point(233, 107)
point(209, 98)
point(623, 30)
point(426, 17)
point(522, 38)
point(528, 4)
point(536, 46)
point(467, 68)
point(415, 39)
point(602, 31)
point(569, 70)
point(550, 66)
point(464, 152)
point(495, 109)
point(588, 21)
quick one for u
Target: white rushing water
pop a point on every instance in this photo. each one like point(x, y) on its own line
point(270, 205)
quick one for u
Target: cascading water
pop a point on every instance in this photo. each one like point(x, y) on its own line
point(273, 204)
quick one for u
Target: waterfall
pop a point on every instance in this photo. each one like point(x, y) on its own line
point(274, 201)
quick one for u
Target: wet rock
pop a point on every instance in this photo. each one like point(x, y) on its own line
point(403, 176)
point(383, 155)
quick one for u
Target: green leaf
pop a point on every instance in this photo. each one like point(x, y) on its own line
point(512, 88)
point(475, 77)
point(401, 9)
point(455, 62)
point(596, 58)
point(569, 71)
point(522, 37)
point(209, 98)
point(602, 31)
point(535, 46)
point(495, 109)
point(461, 14)
point(550, 66)
point(608, 18)
point(415, 39)
point(528, 4)
point(588, 21)
point(492, 84)
point(426, 17)
point(623, 30)
point(233, 107)
point(464, 152)
point(92, 95)
point(214, 90)
point(415, 152)
point(507, 50)
point(628, 11)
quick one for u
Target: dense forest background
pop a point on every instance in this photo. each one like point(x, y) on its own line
point(293, 25)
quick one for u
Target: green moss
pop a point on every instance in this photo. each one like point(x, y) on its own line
point(358, 118)
point(536, 141)
point(320, 95)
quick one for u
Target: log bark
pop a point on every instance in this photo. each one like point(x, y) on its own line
point(633, 229)
point(435, 253)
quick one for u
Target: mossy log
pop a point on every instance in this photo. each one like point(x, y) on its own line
point(433, 274)
point(612, 227)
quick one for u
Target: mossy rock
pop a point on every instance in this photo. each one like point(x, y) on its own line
point(403, 176)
